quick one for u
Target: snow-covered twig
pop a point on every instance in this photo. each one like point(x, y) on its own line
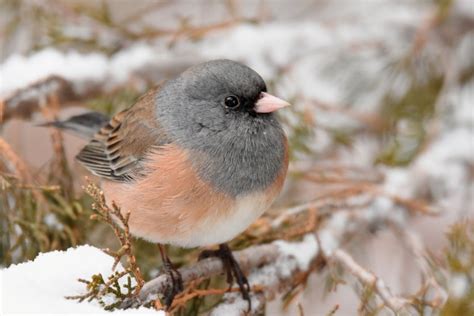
point(290, 269)
point(370, 280)
point(248, 259)
point(26, 101)
point(324, 204)
point(273, 268)
point(72, 79)
point(354, 197)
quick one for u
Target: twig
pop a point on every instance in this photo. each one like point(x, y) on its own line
point(119, 223)
point(395, 303)
point(2, 109)
point(344, 198)
point(324, 204)
point(21, 169)
point(140, 13)
point(112, 215)
point(249, 258)
point(310, 226)
point(333, 310)
point(49, 107)
point(19, 166)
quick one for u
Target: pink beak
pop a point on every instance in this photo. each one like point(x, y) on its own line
point(269, 103)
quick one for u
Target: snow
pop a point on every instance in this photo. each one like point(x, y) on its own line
point(332, 231)
point(20, 71)
point(465, 7)
point(303, 251)
point(445, 160)
point(463, 104)
point(126, 62)
point(458, 285)
point(39, 286)
point(52, 221)
point(442, 169)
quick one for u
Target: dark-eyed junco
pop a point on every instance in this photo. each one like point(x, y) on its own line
point(195, 160)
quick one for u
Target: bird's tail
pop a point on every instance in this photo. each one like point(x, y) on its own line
point(84, 125)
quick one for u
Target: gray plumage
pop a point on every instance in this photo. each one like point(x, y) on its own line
point(236, 150)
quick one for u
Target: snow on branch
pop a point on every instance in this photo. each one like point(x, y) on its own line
point(248, 259)
point(74, 77)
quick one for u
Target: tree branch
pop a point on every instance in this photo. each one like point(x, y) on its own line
point(367, 278)
point(248, 259)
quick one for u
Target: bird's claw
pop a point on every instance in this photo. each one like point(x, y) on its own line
point(232, 269)
point(175, 286)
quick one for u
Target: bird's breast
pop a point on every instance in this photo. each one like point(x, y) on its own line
point(174, 204)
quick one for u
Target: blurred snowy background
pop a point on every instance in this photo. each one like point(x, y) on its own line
point(383, 95)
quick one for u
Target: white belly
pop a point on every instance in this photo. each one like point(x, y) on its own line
point(220, 227)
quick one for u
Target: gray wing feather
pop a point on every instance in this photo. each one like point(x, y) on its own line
point(117, 150)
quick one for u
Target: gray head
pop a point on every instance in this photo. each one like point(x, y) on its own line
point(215, 96)
point(220, 110)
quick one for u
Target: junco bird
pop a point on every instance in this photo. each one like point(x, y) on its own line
point(195, 160)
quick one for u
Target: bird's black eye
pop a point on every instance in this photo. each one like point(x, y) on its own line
point(232, 102)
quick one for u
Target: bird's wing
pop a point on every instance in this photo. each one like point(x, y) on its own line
point(117, 150)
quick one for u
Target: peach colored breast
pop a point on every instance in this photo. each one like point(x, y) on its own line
point(172, 205)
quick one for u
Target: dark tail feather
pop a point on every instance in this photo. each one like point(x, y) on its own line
point(84, 125)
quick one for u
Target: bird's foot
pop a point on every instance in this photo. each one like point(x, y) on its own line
point(174, 287)
point(232, 269)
